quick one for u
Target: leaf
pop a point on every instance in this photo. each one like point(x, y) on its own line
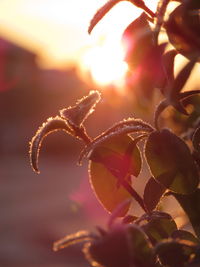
point(168, 62)
point(101, 13)
point(159, 227)
point(152, 194)
point(171, 162)
point(52, 125)
point(121, 128)
point(159, 109)
point(77, 114)
point(72, 239)
point(181, 79)
point(137, 40)
point(185, 235)
point(174, 253)
point(108, 165)
point(125, 245)
point(140, 247)
point(191, 206)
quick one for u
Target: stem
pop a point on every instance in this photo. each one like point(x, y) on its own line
point(133, 193)
point(161, 9)
point(141, 4)
point(81, 133)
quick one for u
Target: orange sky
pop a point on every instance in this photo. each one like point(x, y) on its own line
point(57, 29)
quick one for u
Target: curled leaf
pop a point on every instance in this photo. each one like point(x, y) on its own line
point(152, 194)
point(101, 13)
point(77, 114)
point(109, 165)
point(171, 162)
point(121, 128)
point(52, 124)
point(80, 236)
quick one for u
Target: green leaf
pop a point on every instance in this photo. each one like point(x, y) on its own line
point(152, 194)
point(159, 227)
point(52, 125)
point(174, 253)
point(184, 235)
point(77, 114)
point(171, 162)
point(191, 206)
point(109, 163)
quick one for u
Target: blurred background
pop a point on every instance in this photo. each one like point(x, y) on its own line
point(47, 62)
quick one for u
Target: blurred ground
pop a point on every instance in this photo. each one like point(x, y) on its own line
point(36, 211)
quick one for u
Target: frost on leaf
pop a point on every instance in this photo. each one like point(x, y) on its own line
point(101, 13)
point(80, 236)
point(77, 114)
point(121, 128)
point(52, 124)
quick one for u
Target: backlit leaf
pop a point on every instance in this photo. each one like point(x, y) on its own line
point(121, 128)
point(191, 206)
point(77, 114)
point(152, 194)
point(171, 162)
point(101, 13)
point(138, 40)
point(108, 164)
point(52, 125)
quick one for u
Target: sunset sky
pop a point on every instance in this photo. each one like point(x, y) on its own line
point(56, 30)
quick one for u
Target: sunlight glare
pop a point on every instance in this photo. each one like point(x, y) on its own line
point(105, 62)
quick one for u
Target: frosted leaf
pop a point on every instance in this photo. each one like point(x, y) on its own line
point(52, 124)
point(121, 128)
point(77, 114)
point(80, 236)
point(101, 13)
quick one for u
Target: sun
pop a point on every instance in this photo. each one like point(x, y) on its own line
point(104, 56)
point(105, 63)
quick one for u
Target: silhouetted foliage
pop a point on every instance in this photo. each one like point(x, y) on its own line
point(115, 157)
